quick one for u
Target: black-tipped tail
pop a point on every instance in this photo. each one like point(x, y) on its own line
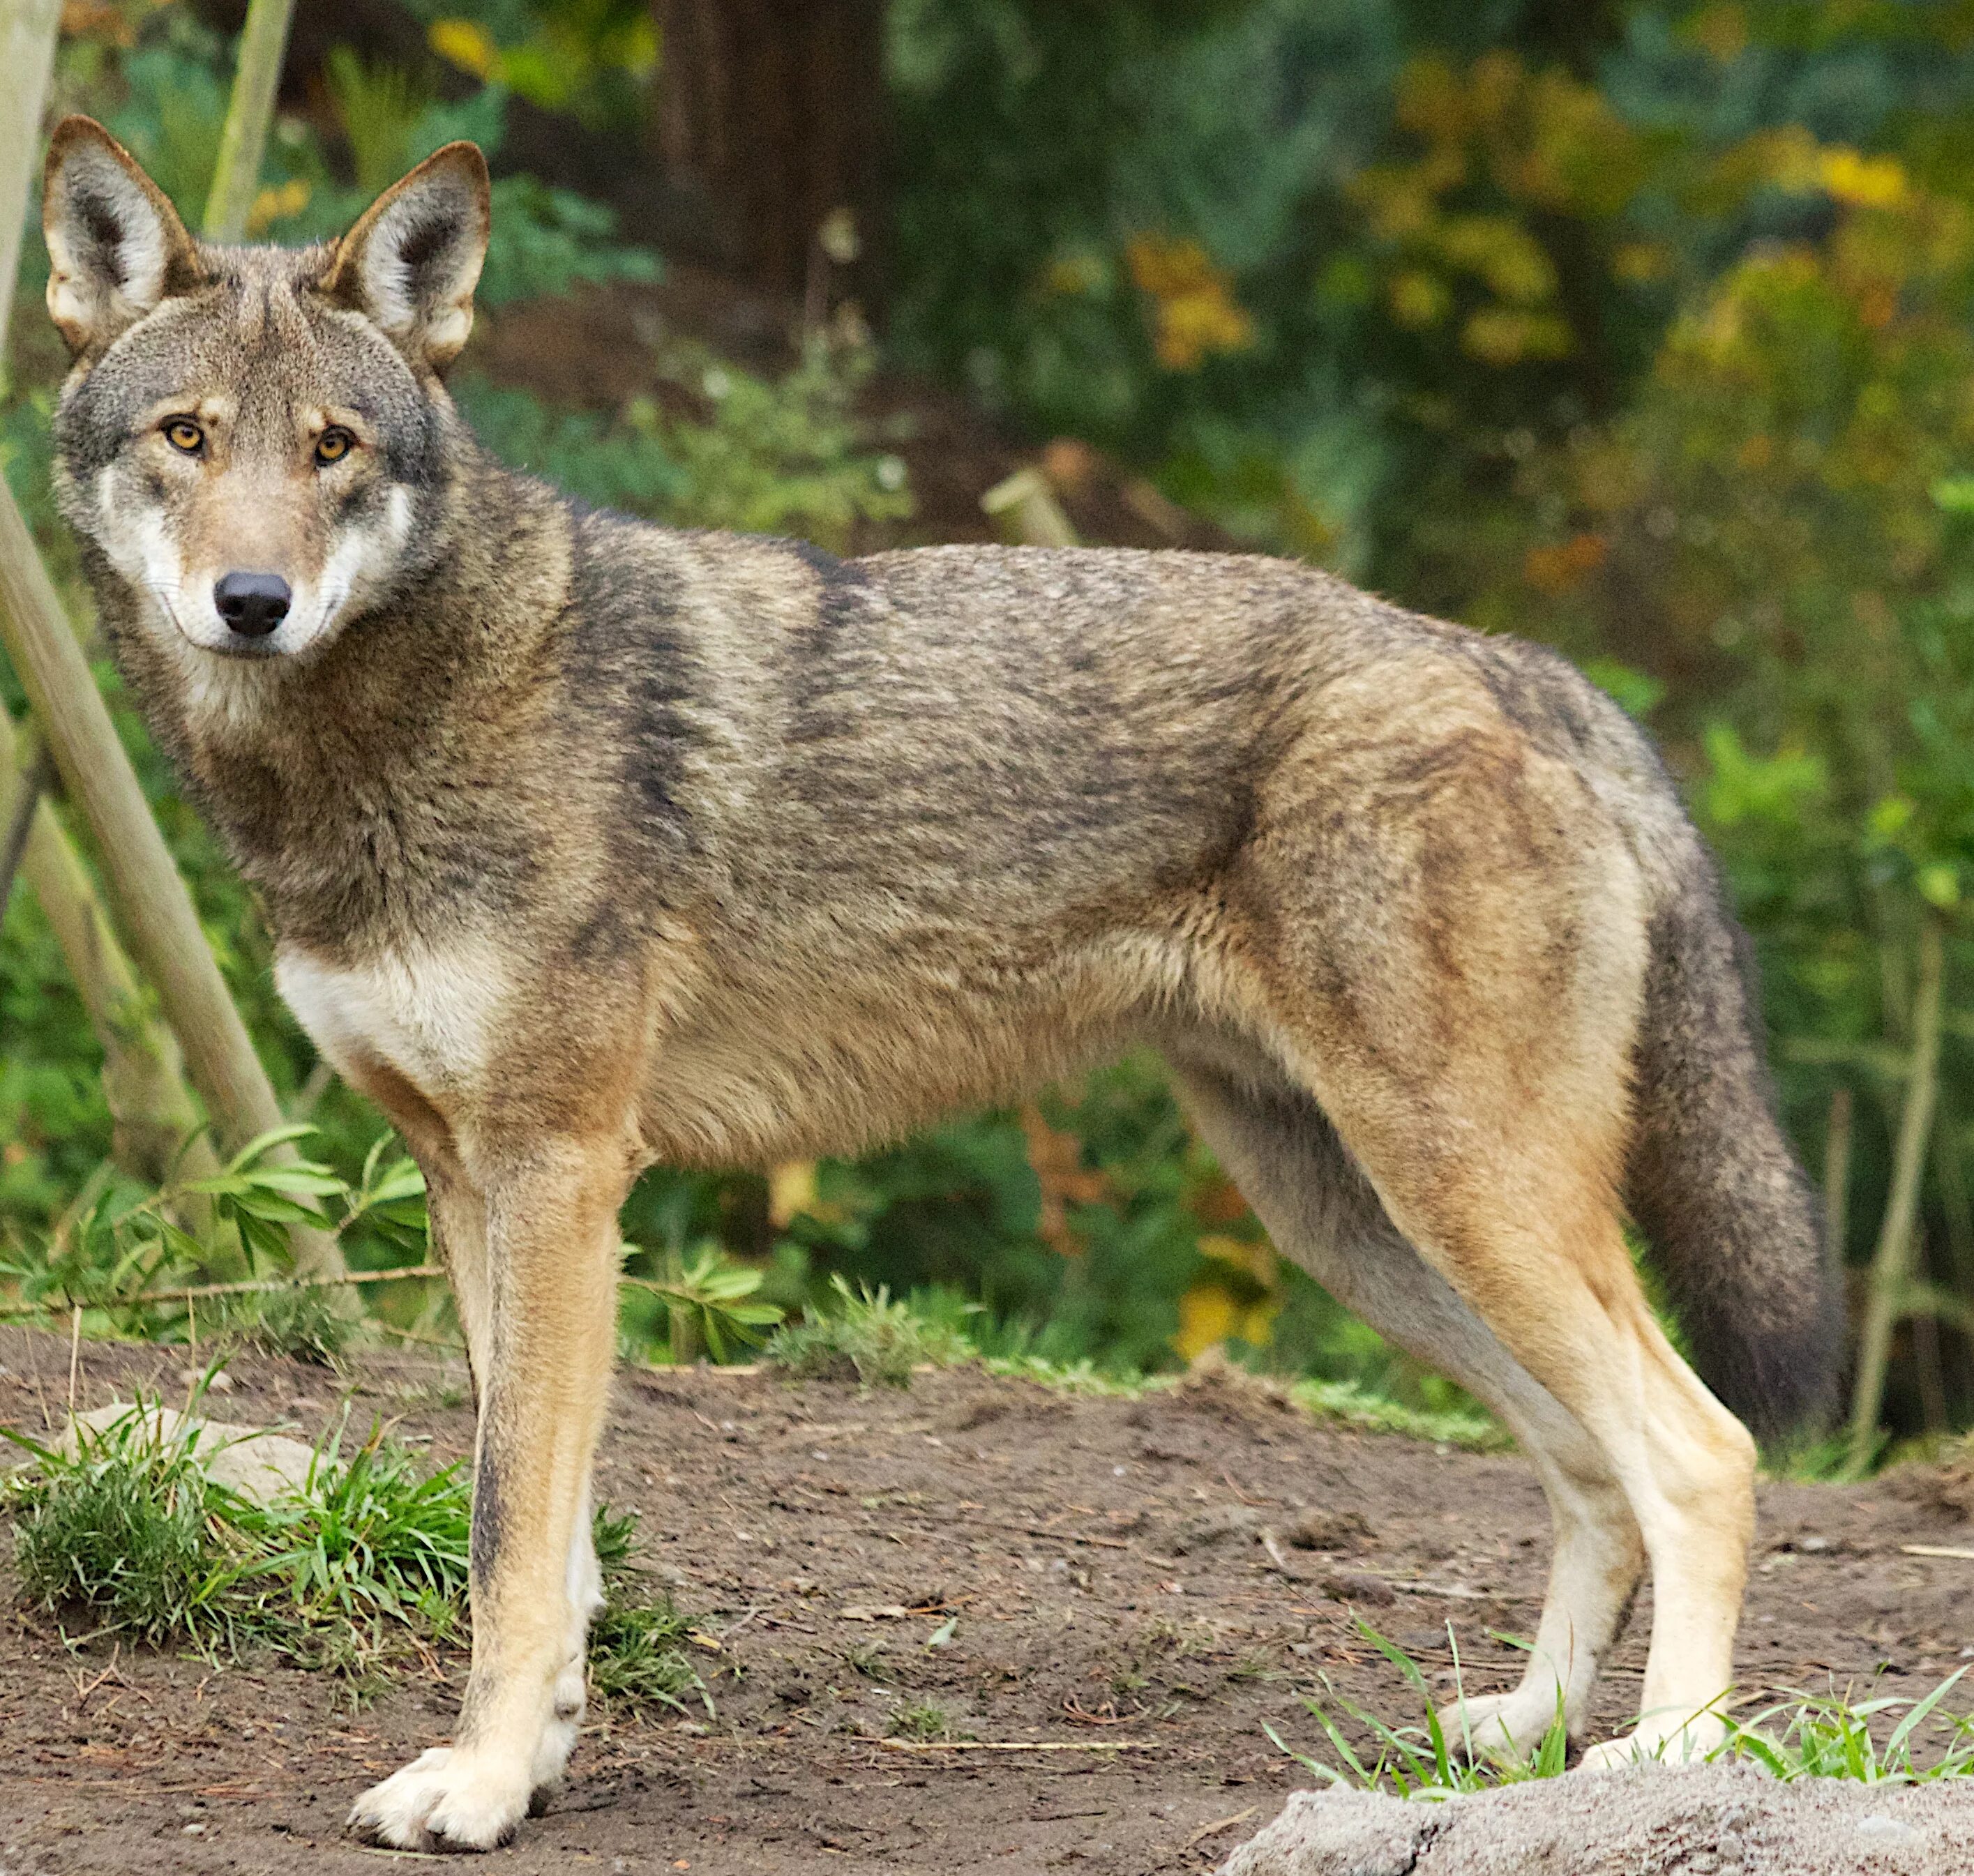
point(1734, 1224)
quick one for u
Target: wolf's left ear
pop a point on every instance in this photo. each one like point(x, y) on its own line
point(116, 246)
point(412, 262)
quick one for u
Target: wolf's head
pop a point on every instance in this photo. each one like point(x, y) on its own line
point(253, 437)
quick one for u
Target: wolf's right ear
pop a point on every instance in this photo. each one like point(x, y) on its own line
point(116, 246)
point(412, 262)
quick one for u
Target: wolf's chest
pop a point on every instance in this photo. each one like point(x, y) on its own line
point(428, 1014)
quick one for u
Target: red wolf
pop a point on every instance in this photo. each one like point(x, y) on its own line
point(585, 843)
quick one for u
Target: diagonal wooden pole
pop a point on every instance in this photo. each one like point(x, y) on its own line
point(1891, 1262)
point(143, 1076)
point(257, 78)
point(153, 906)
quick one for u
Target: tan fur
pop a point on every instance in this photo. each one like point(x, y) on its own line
point(586, 844)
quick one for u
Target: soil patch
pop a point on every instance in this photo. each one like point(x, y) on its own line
point(1121, 1571)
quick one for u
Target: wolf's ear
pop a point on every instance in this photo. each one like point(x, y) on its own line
point(116, 246)
point(412, 262)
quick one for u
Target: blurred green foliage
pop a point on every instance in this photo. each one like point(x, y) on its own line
point(1647, 329)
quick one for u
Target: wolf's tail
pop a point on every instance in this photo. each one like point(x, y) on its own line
point(1734, 1223)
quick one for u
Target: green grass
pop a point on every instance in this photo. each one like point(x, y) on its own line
point(868, 1337)
point(1419, 1761)
point(1356, 1406)
point(1823, 1736)
point(638, 1658)
point(926, 1720)
point(121, 1536)
point(872, 1337)
point(1883, 1740)
point(129, 1535)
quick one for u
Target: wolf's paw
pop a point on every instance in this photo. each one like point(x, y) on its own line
point(1506, 1726)
point(448, 1798)
point(1670, 1742)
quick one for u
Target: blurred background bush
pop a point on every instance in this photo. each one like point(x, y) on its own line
point(1645, 329)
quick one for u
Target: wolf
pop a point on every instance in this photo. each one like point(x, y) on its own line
point(586, 843)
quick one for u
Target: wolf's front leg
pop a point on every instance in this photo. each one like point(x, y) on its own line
point(542, 1352)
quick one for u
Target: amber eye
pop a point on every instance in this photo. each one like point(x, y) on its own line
point(333, 445)
point(183, 434)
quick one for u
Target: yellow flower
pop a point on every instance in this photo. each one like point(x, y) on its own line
point(1196, 313)
point(1862, 181)
point(466, 43)
point(1206, 1315)
point(277, 203)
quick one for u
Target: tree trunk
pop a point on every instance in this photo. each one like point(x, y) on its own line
point(771, 114)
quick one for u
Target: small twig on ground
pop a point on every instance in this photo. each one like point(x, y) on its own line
point(414, 1335)
point(1277, 1556)
point(1019, 1745)
point(194, 1292)
point(1226, 1823)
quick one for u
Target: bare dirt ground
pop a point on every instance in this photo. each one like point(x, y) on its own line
point(1105, 1559)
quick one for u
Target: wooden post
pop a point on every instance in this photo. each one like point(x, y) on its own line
point(1024, 510)
point(152, 906)
point(236, 179)
point(144, 1079)
point(1891, 1262)
point(28, 29)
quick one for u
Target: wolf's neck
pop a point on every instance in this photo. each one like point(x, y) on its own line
point(367, 791)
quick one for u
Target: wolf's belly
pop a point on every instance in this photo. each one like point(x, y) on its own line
point(859, 1056)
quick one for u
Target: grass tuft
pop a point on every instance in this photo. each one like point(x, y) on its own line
point(1806, 1736)
point(638, 1658)
point(926, 1720)
point(1356, 1406)
point(120, 1535)
point(365, 1560)
point(130, 1532)
point(1420, 1761)
point(310, 1324)
point(1823, 1736)
point(869, 1338)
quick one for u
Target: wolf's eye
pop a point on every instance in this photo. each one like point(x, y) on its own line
point(333, 445)
point(184, 435)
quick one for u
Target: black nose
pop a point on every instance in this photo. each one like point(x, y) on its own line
point(252, 604)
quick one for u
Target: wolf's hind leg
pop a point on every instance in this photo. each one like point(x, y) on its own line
point(1285, 1157)
point(1522, 1220)
point(541, 1311)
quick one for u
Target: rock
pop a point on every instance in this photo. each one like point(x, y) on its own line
point(1650, 1820)
point(259, 1464)
point(1357, 1586)
point(1324, 1530)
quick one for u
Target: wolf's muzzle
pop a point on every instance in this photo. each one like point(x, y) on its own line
point(252, 604)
